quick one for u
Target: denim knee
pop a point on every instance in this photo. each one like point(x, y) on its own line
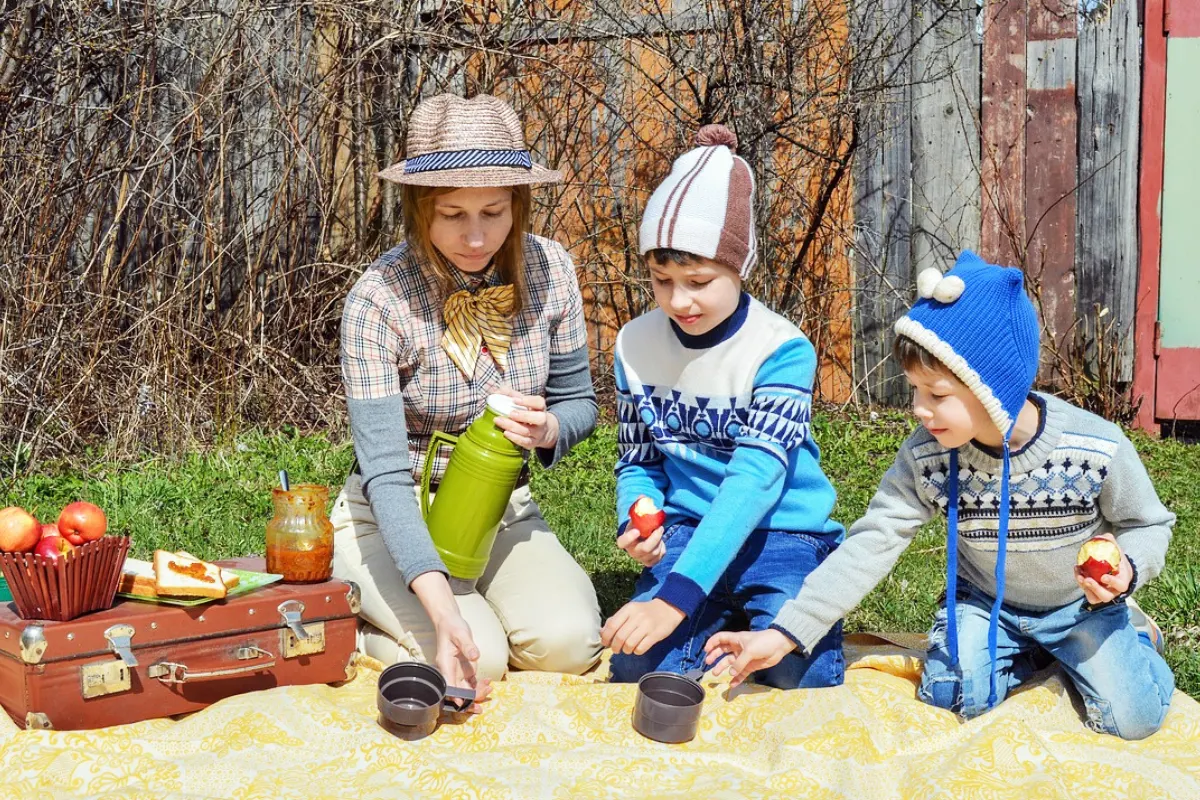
point(1129, 721)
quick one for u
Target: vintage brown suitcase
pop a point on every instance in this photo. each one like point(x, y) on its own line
point(139, 661)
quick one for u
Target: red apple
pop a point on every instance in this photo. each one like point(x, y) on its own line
point(53, 548)
point(1099, 557)
point(50, 529)
point(82, 522)
point(645, 516)
point(19, 531)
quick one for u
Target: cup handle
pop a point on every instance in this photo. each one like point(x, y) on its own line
point(465, 697)
point(435, 442)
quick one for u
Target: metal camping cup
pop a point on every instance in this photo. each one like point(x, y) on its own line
point(667, 708)
point(412, 697)
point(474, 492)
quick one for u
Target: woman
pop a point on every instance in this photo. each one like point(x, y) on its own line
point(471, 304)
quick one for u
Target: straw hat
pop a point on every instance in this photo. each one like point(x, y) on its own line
point(458, 142)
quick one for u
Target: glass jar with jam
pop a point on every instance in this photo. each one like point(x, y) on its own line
point(300, 535)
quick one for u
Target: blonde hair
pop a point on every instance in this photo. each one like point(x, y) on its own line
point(417, 205)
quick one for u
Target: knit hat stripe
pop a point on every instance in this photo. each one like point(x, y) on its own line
point(686, 186)
point(736, 245)
point(676, 185)
point(944, 353)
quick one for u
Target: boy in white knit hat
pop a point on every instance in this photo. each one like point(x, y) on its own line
point(714, 396)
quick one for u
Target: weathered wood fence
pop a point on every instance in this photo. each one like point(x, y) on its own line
point(1015, 134)
point(189, 190)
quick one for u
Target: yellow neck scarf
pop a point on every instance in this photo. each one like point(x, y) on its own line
point(475, 319)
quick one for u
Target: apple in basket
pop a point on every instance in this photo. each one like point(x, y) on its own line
point(53, 548)
point(1099, 557)
point(19, 530)
point(50, 529)
point(82, 522)
point(645, 516)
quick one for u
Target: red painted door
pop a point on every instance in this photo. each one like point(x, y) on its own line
point(1167, 356)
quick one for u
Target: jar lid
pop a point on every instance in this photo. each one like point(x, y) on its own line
point(501, 404)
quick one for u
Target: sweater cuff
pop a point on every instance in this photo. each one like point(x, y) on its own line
point(683, 593)
point(800, 648)
point(798, 626)
point(576, 419)
point(420, 569)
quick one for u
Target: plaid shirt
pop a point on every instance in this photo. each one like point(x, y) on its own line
point(392, 331)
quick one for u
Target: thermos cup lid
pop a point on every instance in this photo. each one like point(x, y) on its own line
point(501, 404)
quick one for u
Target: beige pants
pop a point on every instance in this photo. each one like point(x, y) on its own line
point(533, 608)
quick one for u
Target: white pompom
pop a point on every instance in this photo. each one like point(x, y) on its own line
point(949, 289)
point(927, 279)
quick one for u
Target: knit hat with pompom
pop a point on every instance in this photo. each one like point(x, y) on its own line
point(706, 205)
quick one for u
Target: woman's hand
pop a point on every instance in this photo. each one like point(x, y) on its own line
point(457, 653)
point(1109, 586)
point(457, 656)
point(751, 651)
point(530, 425)
point(648, 551)
point(637, 627)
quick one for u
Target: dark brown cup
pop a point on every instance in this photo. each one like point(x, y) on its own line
point(667, 708)
point(412, 697)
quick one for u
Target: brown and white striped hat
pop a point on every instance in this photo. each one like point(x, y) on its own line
point(706, 205)
point(457, 142)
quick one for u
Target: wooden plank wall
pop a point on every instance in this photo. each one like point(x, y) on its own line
point(882, 175)
point(1024, 146)
point(1106, 250)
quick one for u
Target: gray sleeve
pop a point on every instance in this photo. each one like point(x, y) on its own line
point(571, 397)
point(1139, 520)
point(870, 550)
point(381, 444)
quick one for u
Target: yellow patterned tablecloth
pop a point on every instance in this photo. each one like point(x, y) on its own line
point(553, 736)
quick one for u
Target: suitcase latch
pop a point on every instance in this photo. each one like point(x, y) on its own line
point(105, 677)
point(298, 639)
point(120, 641)
point(292, 611)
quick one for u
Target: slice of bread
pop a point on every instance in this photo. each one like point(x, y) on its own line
point(228, 578)
point(137, 577)
point(177, 575)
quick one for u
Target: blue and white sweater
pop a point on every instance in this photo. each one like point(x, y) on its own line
point(716, 428)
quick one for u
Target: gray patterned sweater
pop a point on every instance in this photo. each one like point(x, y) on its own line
point(1079, 476)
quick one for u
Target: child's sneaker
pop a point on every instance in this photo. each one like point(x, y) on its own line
point(1147, 628)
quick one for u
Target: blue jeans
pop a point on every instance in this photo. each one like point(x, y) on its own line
point(1125, 684)
point(766, 573)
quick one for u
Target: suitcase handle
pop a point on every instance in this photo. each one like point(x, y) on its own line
point(174, 672)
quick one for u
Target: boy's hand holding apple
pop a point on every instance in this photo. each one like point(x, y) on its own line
point(1103, 571)
point(642, 538)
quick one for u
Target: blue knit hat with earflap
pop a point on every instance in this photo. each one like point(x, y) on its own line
point(979, 323)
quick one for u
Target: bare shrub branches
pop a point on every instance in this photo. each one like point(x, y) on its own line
point(187, 190)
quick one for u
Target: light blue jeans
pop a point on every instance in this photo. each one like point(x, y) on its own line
point(1125, 684)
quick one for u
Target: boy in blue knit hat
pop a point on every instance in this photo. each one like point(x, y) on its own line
point(1024, 480)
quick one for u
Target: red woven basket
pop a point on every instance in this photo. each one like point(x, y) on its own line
point(84, 580)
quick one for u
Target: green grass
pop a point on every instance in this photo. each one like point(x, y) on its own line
point(216, 504)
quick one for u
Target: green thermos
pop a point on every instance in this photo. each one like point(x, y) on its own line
point(473, 494)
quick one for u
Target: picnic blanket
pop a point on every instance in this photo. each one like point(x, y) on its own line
point(556, 736)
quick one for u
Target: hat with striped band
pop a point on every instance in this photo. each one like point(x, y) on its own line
point(458, 142)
